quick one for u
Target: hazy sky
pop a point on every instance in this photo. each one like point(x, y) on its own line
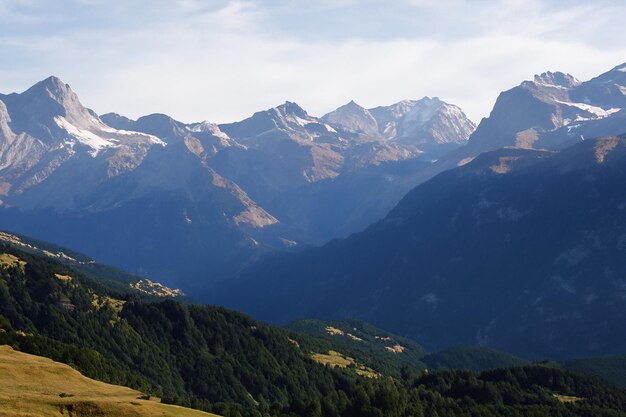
point(222, 60)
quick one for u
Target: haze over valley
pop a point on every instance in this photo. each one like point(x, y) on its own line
point(249, 208)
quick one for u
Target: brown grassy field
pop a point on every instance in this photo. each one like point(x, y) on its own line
point(567, 398)
point(9, 261)
point(336, 359)
point(32, 386)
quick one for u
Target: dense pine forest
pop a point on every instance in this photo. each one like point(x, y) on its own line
point(222, 361)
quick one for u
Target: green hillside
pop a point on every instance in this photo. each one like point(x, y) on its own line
point(111, 277)
point(610, 368)
point(222, 361)
point(471, 358)
point(380, 350)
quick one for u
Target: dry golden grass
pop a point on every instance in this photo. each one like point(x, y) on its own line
point(65, 278)
point(353, 337)
point(567, 398)
point(367, 372)
point(9, 261)
point(99, 302)
point(395, 348)
point(336, 359)
point(333, 331)
point(32, 386)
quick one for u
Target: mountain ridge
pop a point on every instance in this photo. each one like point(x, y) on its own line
point(527, 208)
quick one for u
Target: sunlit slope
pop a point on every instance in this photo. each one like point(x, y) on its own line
point(36, 386)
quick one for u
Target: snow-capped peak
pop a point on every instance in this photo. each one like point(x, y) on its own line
point(423, 110)
point(621, 68)
point(290, 113)
point(206, 126)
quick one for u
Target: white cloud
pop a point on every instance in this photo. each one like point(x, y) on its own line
point(223, 62)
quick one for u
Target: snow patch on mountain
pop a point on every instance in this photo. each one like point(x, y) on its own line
point(422, 111)
point(208, 127)
point(401, 108)
point(329, 128)
point(297, 120)
point(150, 138)
point(90, 139)
point(598, 111)
point(96, 141)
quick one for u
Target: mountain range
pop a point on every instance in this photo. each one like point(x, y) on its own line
point(506, 235)
point(191, 203)
point(513, 241)
point(552, 111)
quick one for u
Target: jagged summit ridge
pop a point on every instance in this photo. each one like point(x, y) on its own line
point(426, 123)
point(291, 108)
point(553, 110)
point(51, 111)
point(557, 79)
point(423, 123)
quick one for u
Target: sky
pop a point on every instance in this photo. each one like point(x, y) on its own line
point(222, 60)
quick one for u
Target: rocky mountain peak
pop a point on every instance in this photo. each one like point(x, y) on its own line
point(556, 79)
point(401, 108)
point(353, 118)
point(46, 109)
point(423, 110)
point(53, 90)
point(5, 131)
point(117, 121)
point(208, 127)
point(291, 108)
point(353, 104)
point(54, 85)
point(160, 125)
point(425, 123)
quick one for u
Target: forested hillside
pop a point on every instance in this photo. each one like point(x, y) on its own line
point(222, 361)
